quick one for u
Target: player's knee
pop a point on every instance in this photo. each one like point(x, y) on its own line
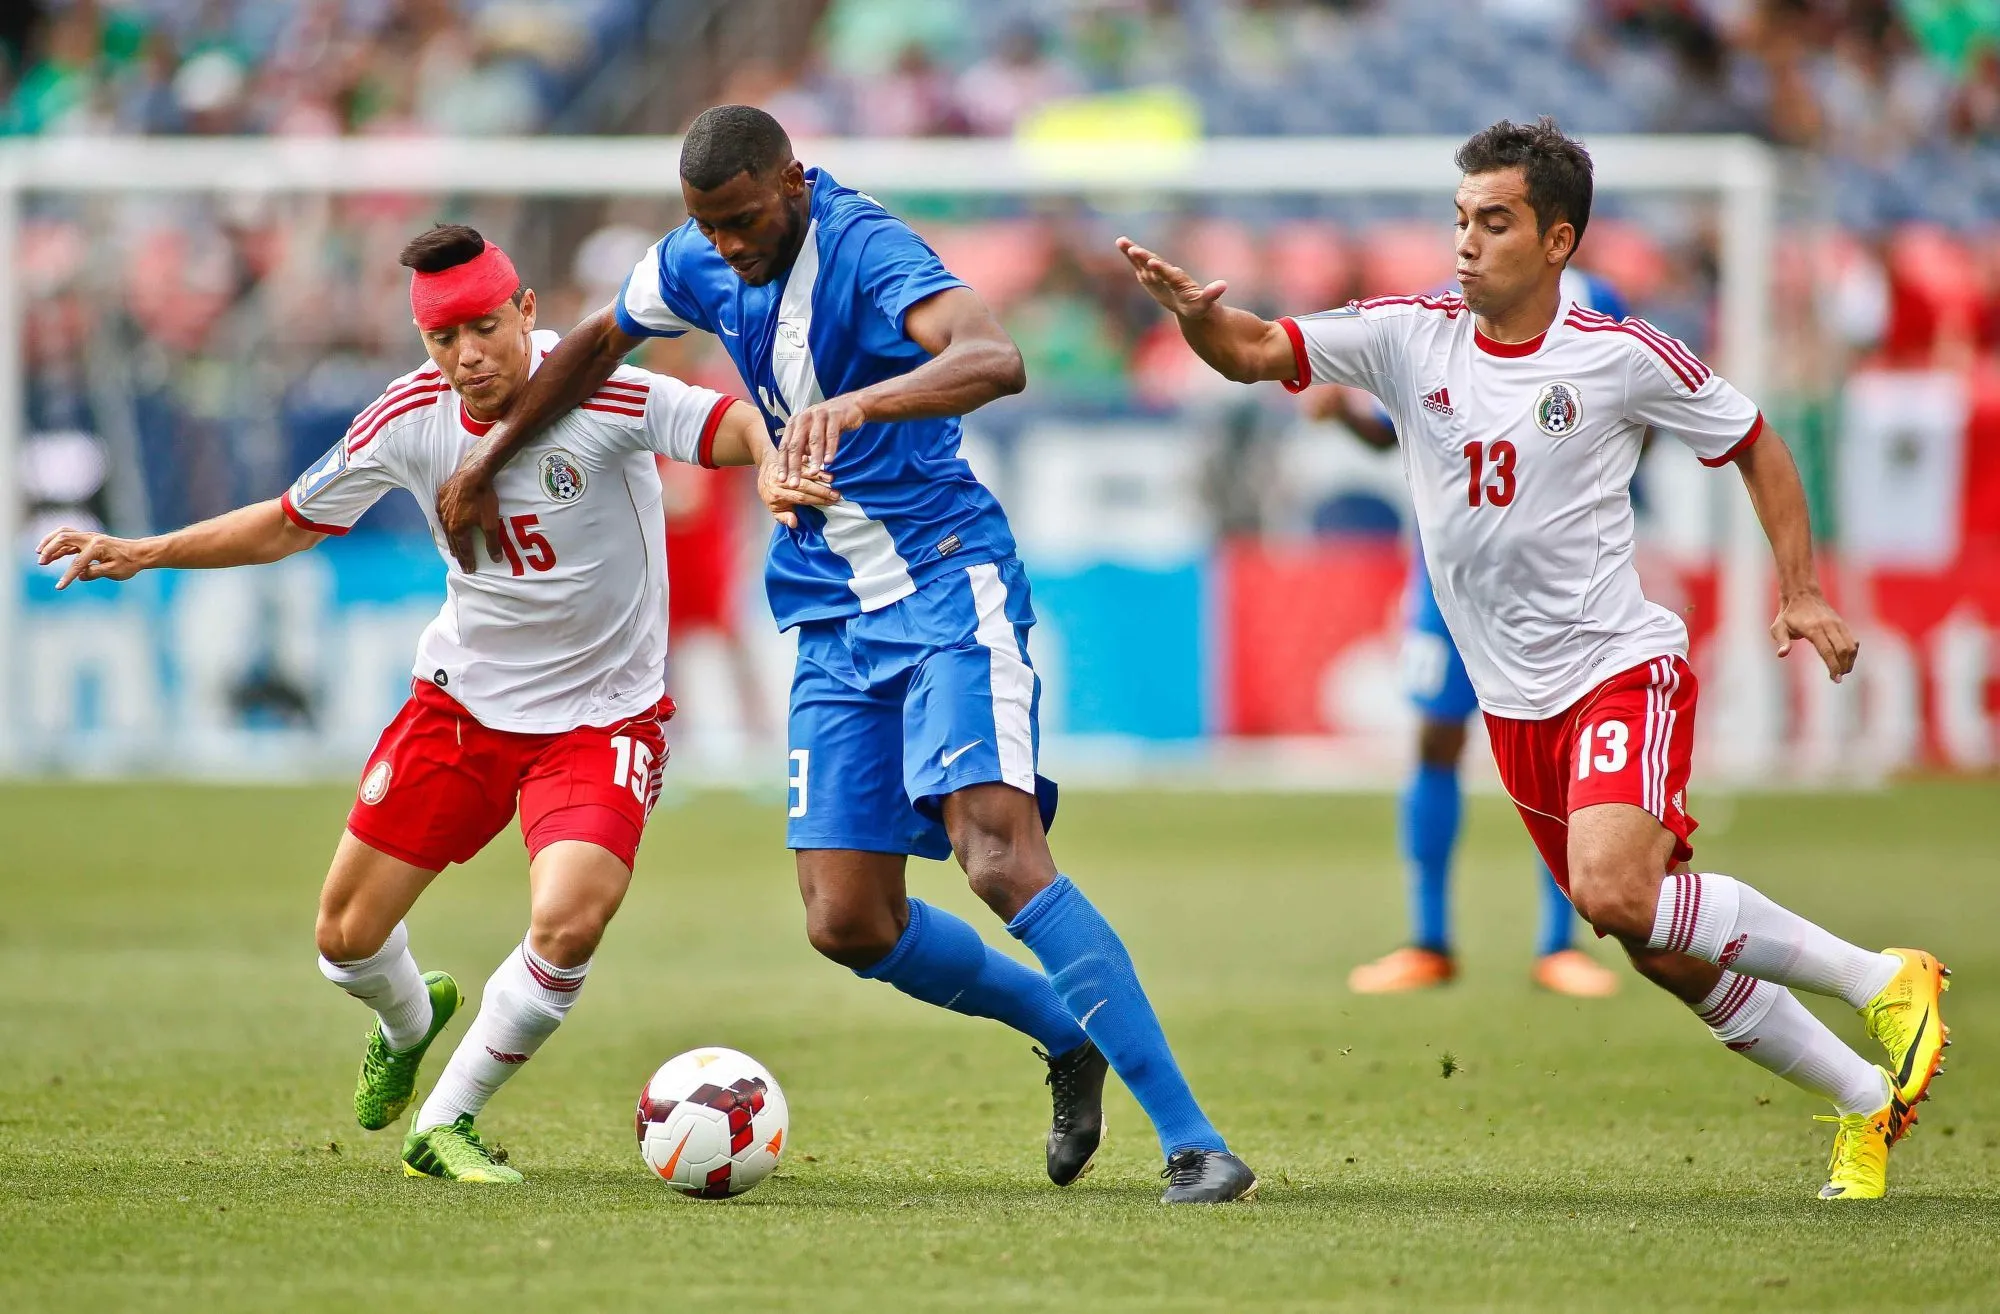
point(1614, 894)
point(568, 938)
point(344, 937)
point(1440, 743)
point(989, 864)
point(854, 938)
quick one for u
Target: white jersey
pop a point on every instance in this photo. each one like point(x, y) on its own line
point(570, 628)
point(1519, 459)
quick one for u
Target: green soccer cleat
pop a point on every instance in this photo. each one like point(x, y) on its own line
point(453, 1151)
point(389, 1077)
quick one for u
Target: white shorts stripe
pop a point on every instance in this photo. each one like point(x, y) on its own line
point(1667, 731)
point(1013, 679)
point(1649, 750)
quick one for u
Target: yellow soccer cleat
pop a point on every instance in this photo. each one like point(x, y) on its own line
point(1859, 1169)
point(1403, 970)
point(1908, 1020)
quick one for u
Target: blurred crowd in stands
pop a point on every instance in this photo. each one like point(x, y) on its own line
point(248, 331)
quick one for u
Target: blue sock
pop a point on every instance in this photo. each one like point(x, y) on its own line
point(1090, 969)
point(941, 960)
point(1431, 808)
point(1558, 918)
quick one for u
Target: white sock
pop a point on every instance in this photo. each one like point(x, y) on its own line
point(1720, 920)
point(1767, 1024)
point(525, 1000)
point(388, 982)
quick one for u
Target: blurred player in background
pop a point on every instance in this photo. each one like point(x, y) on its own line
point(913, 713)
point(540, 685)
point(1520, 416)
point(1432, 804)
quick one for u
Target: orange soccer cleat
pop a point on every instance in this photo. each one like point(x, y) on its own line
point(1575, 973)
point(1409, 968)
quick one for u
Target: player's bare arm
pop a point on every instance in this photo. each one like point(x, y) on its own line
point(248, 536)
point(1803, 611)
point(1236, 344)
point(973, 362)
point(580, 364)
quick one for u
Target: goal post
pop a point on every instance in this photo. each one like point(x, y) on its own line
point(1739, 174)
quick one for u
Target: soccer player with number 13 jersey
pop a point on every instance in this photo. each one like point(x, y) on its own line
point(1520, 416)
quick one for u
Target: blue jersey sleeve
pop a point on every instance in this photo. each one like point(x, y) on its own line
point(654, 303)
point(898, 269)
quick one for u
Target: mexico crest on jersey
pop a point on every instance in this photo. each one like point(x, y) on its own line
point(1559, 410)
point(562, 477)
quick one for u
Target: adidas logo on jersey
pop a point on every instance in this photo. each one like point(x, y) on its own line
point(1439, 402)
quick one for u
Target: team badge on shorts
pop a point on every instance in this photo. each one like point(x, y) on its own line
point(376, 783)
point(562, 477)
point(1559, 410)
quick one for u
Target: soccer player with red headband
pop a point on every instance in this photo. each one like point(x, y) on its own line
point(539, 687)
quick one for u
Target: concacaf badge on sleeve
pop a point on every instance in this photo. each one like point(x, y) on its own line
point(323, 472)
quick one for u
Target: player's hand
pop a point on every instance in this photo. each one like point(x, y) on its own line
point(1170, 285)
point(97, 556)
point(1811, 617)
point(466, 502)
point(812, 437)
point(782, 499)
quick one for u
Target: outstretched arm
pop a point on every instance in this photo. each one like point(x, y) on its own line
point(247, 536)
point(579, 366)
point(1238, 345)
point(1780, 501)
point(973, 361)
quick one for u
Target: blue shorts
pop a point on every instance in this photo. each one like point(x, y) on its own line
point(894, 709)
point(1433, 672)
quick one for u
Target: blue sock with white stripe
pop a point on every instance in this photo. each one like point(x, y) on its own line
point(941, 960)
point(1430, 816)
point(1090, 969)
point(1558, 918)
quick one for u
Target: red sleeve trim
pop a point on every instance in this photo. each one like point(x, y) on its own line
point(705, 450)
point(1301, 367)
point(293, 514)
point(1742, 445)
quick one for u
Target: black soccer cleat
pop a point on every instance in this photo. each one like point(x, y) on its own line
point(1207, 1177)
point(1076, 1088)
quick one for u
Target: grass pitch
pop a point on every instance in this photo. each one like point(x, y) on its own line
point(175, 1129)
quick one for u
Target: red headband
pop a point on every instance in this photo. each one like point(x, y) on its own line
point(463, 292)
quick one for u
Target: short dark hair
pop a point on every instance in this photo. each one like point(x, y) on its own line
point(731, 139)
point(446, 246)
point(1556, 167)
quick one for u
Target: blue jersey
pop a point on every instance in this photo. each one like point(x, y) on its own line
point(911, 508)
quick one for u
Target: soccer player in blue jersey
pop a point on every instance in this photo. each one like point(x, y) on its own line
point(1431, 806)
point(913, 709)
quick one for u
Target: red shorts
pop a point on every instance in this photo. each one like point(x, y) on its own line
point(439, 785)
point(1629, 740)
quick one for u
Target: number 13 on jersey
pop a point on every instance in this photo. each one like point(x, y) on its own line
point(1489, 472)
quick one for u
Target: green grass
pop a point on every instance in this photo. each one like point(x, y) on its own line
point(175, 1133)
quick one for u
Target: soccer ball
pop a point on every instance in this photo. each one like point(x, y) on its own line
point(712, 1123)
